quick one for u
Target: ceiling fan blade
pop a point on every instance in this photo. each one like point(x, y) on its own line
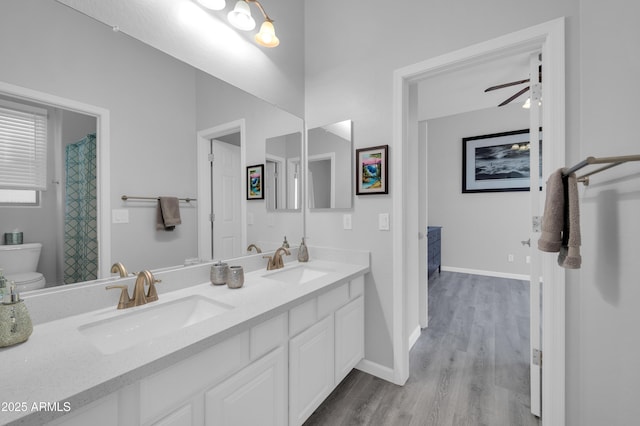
point(520, 92)
point(502, 86)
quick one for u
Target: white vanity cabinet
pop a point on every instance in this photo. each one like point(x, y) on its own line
point(325, 352)
point(274, 372)
point(311, 369)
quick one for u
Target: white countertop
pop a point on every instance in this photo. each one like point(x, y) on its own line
point(59, 364)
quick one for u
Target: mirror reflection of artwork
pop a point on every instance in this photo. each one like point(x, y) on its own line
point(329, 162)
point(372, 170)
point(255, 184)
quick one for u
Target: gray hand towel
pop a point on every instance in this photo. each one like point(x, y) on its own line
point(168, 213)
point(569, 256)
point(553, 219)
point(561, 220)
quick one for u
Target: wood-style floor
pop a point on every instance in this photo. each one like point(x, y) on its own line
point(469, 367)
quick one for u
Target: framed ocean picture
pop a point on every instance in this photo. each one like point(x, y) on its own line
point(372, 170)
point(255, 182)
point(497, 162)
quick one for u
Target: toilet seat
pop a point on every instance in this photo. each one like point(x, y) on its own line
point(27, 281)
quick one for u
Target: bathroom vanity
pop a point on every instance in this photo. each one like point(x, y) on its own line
point(268, 353)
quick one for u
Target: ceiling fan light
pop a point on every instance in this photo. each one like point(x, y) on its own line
point(527, 104)
point(213, 4)
point(240, 17)
point(267, 35)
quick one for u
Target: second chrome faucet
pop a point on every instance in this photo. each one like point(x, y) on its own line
point(139, 296)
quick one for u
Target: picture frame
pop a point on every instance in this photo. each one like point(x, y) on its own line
point(497, 162)
point(372, 170)
point(255, 182)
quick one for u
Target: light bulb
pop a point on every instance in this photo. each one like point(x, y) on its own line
point(213, 4)
point(267, 35)
point(240, 17)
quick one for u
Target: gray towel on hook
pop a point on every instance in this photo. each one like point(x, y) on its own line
point(569, 256)
point(553, 218)
point(168, 213)
point(561, 220)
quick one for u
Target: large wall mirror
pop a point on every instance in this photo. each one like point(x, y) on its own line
point(329, 166)
point(158, 110)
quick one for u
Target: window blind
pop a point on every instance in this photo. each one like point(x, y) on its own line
point(23, 146)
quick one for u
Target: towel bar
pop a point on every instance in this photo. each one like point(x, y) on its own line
point(129, 197)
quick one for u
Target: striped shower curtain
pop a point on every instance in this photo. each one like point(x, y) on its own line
point(80, 221)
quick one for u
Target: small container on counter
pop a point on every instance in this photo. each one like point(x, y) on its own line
point(235, 278)
point(15, 322)
point(219, 273)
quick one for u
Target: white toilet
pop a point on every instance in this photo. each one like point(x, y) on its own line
point(19, 263)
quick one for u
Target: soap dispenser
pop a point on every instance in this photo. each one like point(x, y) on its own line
point(285, 243)
point(15, 322)
point(303, 252)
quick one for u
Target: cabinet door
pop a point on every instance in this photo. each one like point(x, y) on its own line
point(254, 396)
point(349, 331)
point(311, 370)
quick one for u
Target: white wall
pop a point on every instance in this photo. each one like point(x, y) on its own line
point(603, 339)
point(349, 76)
point(479, 229)
point(205, 39)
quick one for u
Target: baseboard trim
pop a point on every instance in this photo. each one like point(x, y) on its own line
point(413, 338)
point(486, 273)
point(375, 369)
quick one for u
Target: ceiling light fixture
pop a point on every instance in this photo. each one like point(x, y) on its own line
point(240, 17)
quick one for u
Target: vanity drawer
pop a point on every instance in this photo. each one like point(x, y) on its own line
point(168, 389)
point(303, 316)
point(268, 335)
point(332, 300)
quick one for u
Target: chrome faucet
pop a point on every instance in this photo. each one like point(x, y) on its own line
point(276, 261)
point(139, 297)
point(253, 246)
point(119, 268)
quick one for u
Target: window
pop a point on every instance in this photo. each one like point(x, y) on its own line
point(23, 153)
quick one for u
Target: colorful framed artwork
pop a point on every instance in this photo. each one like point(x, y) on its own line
point(372, 170)
point(497, 162)
point(255, 182)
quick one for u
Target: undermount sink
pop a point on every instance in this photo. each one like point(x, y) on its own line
point(149, 322)
point(298, 274)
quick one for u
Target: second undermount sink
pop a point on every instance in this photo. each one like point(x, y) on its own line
point(298, 274)
point(149, 322)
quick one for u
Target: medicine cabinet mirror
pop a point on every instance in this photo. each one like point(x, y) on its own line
point(330, 166)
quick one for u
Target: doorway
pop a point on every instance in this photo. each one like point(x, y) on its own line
point(100, 124)
point(214, 239)
point(549, 38)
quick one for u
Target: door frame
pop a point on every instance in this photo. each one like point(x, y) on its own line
point(549, 38)
point(203, 165)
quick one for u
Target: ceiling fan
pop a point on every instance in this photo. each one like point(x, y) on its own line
point(515, 83)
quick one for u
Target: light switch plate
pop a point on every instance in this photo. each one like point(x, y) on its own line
point(346, 221)
point(120, 216)
point(383, 221)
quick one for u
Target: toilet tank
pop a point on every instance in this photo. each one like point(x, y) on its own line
point(15, 259)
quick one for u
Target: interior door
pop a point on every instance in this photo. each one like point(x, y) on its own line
point(535, 279)
point(225, 205)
